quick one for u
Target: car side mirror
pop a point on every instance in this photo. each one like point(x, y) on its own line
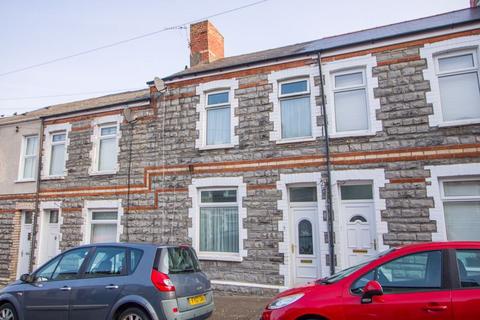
point(28, 278)
point(372, 289)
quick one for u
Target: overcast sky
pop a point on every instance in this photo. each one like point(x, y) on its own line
point(36, 31)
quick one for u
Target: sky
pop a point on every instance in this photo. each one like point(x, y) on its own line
point(33, 31)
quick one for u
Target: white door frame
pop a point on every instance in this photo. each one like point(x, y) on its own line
point(42, 223)
point(24, 230)
point(377, 178)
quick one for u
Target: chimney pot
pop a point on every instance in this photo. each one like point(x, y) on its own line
point(206, 43)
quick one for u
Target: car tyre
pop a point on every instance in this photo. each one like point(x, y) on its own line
point(7, 312)
point(133, 314)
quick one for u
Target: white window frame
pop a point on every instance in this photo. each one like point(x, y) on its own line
point(365, 63)
point(431, 52)
point(439, 174)
point(215, 205)
point(56, 143)
point(439, 74)
point(205, 89)
point(23, 156)
point(336, 90)
point(218, 183)
point(287, 76)
point(446, 199)
point(101, 206)
point(47, 149)
point(98, 124)
point(209, 107)
point(303, 94)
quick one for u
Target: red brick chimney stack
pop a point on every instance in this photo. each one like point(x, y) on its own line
point(206, 43)
point(474, 3)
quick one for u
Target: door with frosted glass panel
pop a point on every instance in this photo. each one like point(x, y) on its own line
point(358, 212)
point(104, 226)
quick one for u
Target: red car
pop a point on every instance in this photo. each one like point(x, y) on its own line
point(422, 281)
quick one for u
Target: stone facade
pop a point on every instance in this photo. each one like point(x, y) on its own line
point(159, 150)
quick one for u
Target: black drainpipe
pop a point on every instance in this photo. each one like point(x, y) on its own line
point(328, 185)
point(37, 198)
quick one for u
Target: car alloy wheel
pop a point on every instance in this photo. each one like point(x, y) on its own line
point(6, 313)
point(133, 314)
point(131, 317)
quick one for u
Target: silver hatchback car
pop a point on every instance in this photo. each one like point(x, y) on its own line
point(117, 281)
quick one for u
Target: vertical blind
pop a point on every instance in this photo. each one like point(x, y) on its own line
point(57, 161)
point(219, 229)
point(296, 117)
point(460, 96)
point(107, 154)
point(351, 112)
point(218, 126)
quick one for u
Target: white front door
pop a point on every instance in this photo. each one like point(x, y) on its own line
point(361, 240)
point(25, 243)
point(305, 244)
point(50, 233)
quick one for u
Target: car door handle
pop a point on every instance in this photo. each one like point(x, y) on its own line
point(111, 286)
point(66, 288)
point(435, 307)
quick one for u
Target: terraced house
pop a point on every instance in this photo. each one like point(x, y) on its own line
point(278, 166)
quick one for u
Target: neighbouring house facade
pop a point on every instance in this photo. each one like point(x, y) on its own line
point(233, 156)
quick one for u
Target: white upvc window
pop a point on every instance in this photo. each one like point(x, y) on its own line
point(57, 153)
point(295, 108)
point(219, 227)
point(105, 140)
point(104, 226)
point(107, 155)
point(219, 115)
point(28, 159)
point(461, 206)
point(459, 85)
point(351, 110)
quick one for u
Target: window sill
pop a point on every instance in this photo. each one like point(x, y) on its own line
point(218, 146)
point(352, 134)
point(458, 123)
point(102, 173)
point(53, 178)
point(24, 180)
point(295, 140)
point(213, 257)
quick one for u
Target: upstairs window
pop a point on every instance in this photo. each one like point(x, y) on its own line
point(107, 148)
point(350, 101)
point(218, 118)
point(458, 77)
point(57, 153)
point(296, 113)
point(28, 161)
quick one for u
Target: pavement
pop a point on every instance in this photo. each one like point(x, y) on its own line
point(239, 308)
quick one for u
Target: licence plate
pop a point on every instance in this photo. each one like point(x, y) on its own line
point(197, 300)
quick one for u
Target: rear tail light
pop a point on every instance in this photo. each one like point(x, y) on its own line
point(161, 281)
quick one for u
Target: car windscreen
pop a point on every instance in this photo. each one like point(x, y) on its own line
point(345, 273)
point(182, 260)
